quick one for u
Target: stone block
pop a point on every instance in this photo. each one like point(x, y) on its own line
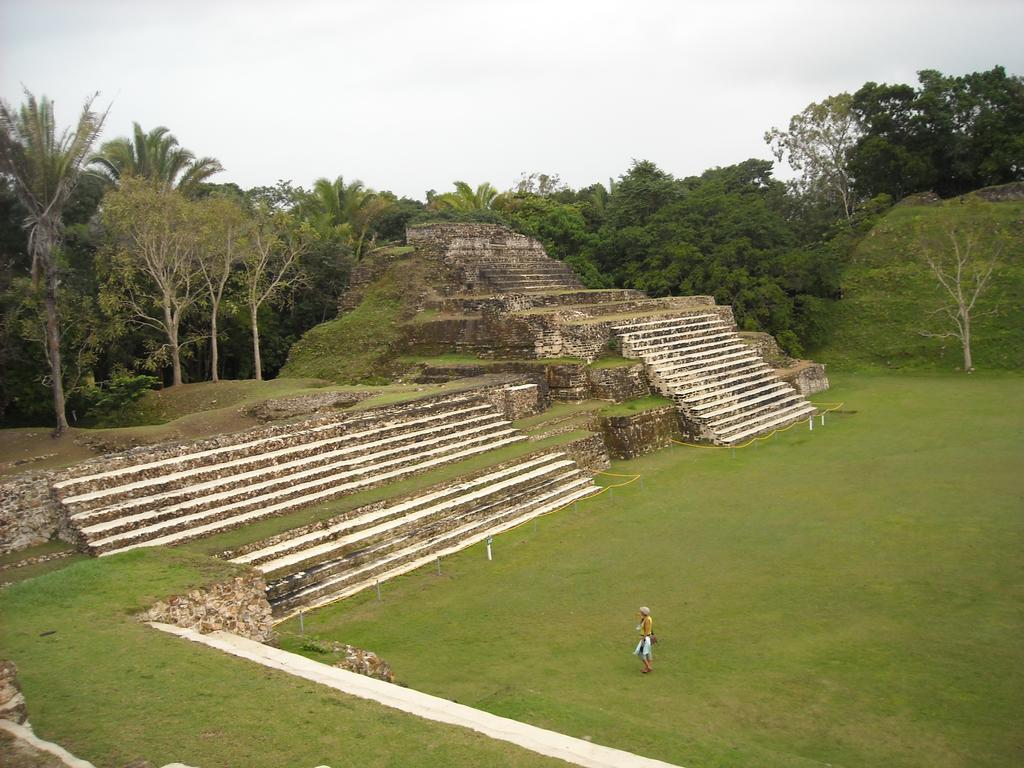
point(630, 436)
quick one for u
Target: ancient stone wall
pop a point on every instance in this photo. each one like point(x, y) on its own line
point(588, 452)
point(238, 605)
point(573, 382)
point(618, 384)
point(28, 515)
point(630, 436)
point(516, 401)
point(806, 377)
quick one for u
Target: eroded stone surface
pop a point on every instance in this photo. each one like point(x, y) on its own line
point(12, 702)
point(363, 662)
point(238, 605)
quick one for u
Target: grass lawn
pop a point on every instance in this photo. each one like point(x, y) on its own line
point(113, 690)
point(847, 597)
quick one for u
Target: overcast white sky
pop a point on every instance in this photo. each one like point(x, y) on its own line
point(411, 95)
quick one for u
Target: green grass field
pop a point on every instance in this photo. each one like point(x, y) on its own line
point(847, 597)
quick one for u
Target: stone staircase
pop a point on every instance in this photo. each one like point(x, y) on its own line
point(201, 493)
point(723, 387)
point(335, 558)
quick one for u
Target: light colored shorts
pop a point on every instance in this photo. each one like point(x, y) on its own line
point(643, 648)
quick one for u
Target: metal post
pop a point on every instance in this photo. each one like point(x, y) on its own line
point(439, 566)
point(302, 623)
point(823, 418)
point(378, 591)
point(489, 540)
point(810, 422)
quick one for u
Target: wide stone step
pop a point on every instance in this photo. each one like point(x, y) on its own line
point(630, 329)
point(354, 550)
point(291, 483)
point(733, 381)
point(712, 352)
point(201, 524)
point(748, 410)
point(680, 347)
point(286, 553)
point(777, 420)
point(675, 327)
point(422, 552)
point(685, 373)
point(83, 486)
point(163, 490)
point(724, 405)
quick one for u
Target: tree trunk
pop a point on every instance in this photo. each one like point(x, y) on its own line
point(213, 343)
point(172, 338)
point(53, 350)
point(257, 365)
point(965, 340)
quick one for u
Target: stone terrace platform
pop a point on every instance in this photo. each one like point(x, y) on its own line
point(690, 348)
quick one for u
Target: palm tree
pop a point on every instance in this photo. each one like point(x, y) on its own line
point(465, 198)
point(346, 211)
point(156, 156)
point(45, 168)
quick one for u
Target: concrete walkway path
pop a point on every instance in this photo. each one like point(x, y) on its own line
point(572, 750)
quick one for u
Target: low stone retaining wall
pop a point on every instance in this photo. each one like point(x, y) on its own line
point(588, 452)
point(238, 605)
point(28, 515)
point(630, 436)
point(806, 377)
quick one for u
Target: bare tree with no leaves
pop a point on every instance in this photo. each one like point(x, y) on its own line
point(963, 258)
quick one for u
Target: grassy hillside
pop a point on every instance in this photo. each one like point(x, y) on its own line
point(350, 348)
point(890, 296)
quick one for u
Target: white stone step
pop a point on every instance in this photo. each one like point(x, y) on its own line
point(675, 327)
point(709, 387)
point(753, 410)
point(747, 397)
point(450, 542)
point(396, 521)
point(306, 500)
point(628, 329)
point(786, 417)
point(666, 337)
point(250, 446)
point(281, 548)
point(717, 351)
point(316, 476)
point(322, 459)
point(689, 372)
point(670, 349)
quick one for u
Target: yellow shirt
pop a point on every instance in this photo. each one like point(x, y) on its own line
point(647, 626)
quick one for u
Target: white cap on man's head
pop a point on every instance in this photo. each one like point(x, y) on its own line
point(645, 610)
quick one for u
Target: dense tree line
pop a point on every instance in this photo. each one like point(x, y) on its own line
point(141, 269)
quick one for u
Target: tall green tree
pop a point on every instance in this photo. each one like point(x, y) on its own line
point(346, 212)
point(45, 167)
point(156, 156)
point(818, 145)
point(271, 266)
point(225, 231)
point(465, 198)
point(154, 273)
